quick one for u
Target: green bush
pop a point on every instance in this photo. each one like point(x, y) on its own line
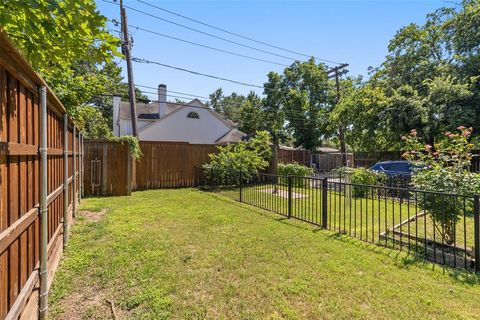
point(247, 157)
point(365, 177)
point(295, 170)
point(444, 167)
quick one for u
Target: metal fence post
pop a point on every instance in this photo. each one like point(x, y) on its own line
point(43, 299)
point(289, 179)
point(80, 168)
point(476, 218)
point(324, 202)
point(65, 180)
point(240, 182)
point(74, 179)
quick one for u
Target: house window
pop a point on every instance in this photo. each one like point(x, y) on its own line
point(193, 115)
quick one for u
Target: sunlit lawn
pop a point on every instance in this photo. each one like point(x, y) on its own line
point(363, 217)
point(187, 254)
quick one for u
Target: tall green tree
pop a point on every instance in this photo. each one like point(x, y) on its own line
point(66, 41)
point(428, 82)
point(300, 97)
point(228, 106)
point(251, 116)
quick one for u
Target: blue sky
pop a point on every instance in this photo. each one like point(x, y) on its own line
point(356, 32)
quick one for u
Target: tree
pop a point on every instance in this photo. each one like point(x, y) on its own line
point(247, 157)
point(250, 118)
point(92, 123)
point(228, 106)
point(66, 41)
point(428, 82)
point(298, 102)
point(359, 111)
point(113, 85)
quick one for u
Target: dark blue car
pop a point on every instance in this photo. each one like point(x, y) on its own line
point(394, 168)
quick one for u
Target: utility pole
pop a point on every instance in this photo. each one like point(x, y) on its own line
point(126, 49)
point(337, 72)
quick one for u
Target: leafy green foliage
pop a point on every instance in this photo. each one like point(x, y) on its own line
point(444, 167)
point(92, 124)
point(68, 43)
point(428, 82)
point(247, 157)
point(362, 176)
point(133, 145)
point(113, 84)
point(295, 170)
point(54, 34)
point(300, 96)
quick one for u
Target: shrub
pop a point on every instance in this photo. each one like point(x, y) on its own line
point(133, 145)
point(365, 177)
point(444, 167)
point(247, 157)
point(296, 170)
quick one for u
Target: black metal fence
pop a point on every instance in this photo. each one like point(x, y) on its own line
point(438, 227)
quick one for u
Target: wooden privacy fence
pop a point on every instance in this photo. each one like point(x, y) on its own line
point(40, 160)
point(109, 169)
point(330, 161)
point(170, 164)
point(294, 155)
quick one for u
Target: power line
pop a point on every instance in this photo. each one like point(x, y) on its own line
point(236, 34)
point(182, 93)
point(207, 47)
point(140, 60)
point(292, 115)
point(204, 33)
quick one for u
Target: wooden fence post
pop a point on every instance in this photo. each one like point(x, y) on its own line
point(104, 168)
point(65, 180)
point(129, 172)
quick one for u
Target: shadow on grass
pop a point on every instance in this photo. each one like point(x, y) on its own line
point(404, 259)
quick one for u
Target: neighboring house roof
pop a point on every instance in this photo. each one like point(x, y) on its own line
point(231, 136)
point(195, 103)
point(144, 108)
point(327, 150)
point(149, 116)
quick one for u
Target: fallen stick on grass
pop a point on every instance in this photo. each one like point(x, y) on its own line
point(112, 306)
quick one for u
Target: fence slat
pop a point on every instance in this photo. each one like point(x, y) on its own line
point(20, 179)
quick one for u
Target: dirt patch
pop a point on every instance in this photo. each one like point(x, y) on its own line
point(91, 303)
point(92, 215)
point(88, 304)
point(284, 193)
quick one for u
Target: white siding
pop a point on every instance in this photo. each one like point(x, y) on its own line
point(177, 127)
point(126, 126)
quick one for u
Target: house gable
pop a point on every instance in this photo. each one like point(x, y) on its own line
point(207, 128)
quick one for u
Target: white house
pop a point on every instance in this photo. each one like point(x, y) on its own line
point(167, 121)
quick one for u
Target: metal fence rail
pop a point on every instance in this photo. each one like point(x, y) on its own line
point(388, 216)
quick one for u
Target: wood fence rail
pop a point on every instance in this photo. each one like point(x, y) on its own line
point(40, 179)
point(109, 169)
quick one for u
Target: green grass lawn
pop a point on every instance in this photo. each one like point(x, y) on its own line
point(187, 254)
point(364, 218)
